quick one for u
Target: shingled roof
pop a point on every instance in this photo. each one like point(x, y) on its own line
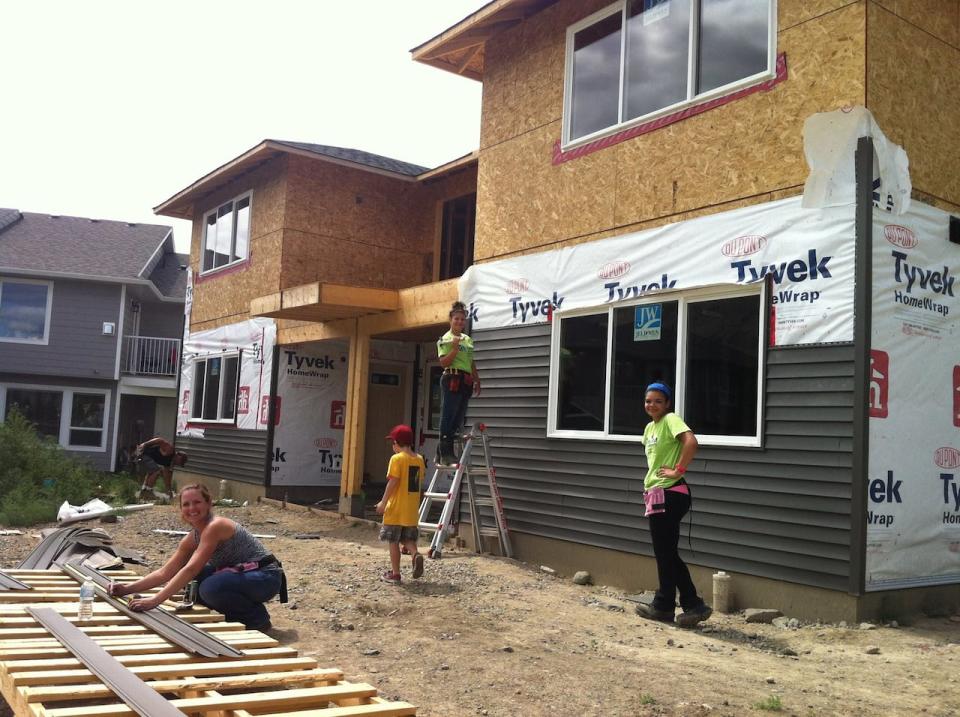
point(98, 248)
point(357, 156)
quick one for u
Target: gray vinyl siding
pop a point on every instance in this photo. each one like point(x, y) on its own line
point(161, 320)
point(77, 346)
point(100, 460)
point(227, 453)
point(781, 511)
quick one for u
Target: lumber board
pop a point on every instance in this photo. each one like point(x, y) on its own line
point(41, 676)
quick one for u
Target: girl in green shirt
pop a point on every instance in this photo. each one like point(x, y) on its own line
point(458, 383)
point(670, 446)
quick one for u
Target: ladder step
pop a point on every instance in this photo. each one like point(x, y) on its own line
point(428, 526)
point(491, 532)
point(437, 496)
point(486, 502)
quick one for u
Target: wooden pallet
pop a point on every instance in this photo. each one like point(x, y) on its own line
point(41, 678)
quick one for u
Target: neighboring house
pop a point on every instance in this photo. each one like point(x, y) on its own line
point(635, 213)
point(91, 320)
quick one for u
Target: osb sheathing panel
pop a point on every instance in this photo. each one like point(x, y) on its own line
point(941, 18)
point(748, 147)
point(914, 93)
point(225, 297)
point(524, 71)
point(349, 226)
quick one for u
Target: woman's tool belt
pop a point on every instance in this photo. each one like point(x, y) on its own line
point(655, 499)
point(455, 376)
point(260, 565)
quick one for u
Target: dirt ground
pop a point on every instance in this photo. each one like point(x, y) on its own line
point(489, 636)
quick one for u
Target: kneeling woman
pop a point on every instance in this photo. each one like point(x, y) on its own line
point(237, 574)
point(670, 446)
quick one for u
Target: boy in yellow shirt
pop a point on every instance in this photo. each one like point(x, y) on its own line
point(400, 505)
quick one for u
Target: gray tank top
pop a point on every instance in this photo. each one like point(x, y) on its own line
point(241, 548)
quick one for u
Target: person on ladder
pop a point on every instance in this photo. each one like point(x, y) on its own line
point(458, 383)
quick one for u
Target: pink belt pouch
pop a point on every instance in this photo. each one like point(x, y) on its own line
point(655, 501)
point(239, 568)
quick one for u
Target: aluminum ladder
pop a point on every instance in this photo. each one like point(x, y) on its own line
point(479, 478)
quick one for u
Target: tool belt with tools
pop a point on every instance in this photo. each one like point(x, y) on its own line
point(457, 375)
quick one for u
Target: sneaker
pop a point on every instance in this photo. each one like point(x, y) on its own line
point(390, 577)
point(690, 618)
point(651, 613)
point(417, 566)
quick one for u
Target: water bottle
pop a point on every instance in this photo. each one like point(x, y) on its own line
point(721, 592)
point(87, 594)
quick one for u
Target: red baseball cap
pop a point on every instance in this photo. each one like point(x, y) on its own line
point(401, 434)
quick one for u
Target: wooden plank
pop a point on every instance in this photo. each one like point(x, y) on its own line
point(153, 643)
point(288, 700)
point(375, 709)
point(217, 682)
point(80, 676)
point(149, 658)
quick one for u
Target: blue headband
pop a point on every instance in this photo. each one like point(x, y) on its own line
point(662, 388)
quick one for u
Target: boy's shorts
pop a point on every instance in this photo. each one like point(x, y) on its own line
point(399, 533)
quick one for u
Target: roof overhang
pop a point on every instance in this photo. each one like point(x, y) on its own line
point(181, 204)
point(460, 48)
point(320, 301)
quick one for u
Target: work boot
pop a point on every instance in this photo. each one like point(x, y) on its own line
point(690, 618)
point(651, 613)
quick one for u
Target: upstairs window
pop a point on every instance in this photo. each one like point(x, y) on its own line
point(639, 59)
point(25, 311)
point(707, 344)
point(456, 237)
point(226, 234)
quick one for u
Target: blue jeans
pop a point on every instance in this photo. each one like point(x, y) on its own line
point(240, 596)
point(454, 396)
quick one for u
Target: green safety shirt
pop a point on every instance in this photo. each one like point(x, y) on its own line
point(464, 358)
point(663, 448)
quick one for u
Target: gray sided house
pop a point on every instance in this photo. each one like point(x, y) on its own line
point(91, 319)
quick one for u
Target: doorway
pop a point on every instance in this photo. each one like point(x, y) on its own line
point(388, 403)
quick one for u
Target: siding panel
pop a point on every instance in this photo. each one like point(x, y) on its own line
point(781, 511)
point(227, 453)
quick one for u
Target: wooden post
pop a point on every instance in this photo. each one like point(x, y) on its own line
point(358, 379)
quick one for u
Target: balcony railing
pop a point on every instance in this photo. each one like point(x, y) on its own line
point(150, 356)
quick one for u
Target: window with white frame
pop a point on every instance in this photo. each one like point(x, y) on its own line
point(25, 310)
point(226, 234)
point(706, 344)
point(75, 417)
point(638, 59)
point(215, 388)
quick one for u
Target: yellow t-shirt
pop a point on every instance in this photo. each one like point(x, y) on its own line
point(403, 508)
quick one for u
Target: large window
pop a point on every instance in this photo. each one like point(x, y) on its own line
point(25, 310)
point(706, 344)
point(226, 234)
point(215, 388)
point(638, 59)
point(76, 418)
point(456, 237)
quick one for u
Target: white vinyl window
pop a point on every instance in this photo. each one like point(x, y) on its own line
point(25, 310)
point(77, 418)
point(215, 388)
point(707, 345)
point(637, 60)
point(226, 234)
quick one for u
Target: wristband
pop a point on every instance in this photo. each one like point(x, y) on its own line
point(680, 469)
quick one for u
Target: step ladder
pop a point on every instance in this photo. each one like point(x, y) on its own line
point(482, 491)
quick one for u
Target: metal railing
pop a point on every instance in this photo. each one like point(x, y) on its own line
point(150, 356)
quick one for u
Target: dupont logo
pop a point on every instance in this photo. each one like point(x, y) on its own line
point(613, 269)
point(516, 286)
point(900, 236)
point(879, 383)
point(743, 246)
point(325, 442)
point(947, 457)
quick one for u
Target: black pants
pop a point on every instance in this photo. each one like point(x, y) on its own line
point(671, 570)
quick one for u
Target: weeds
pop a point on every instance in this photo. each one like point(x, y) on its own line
point(37, 475)
point(771, 704)
point(646, 699)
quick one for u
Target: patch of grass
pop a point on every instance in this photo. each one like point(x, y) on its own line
point(646, 699)
point(771, 704)
point(37, 475)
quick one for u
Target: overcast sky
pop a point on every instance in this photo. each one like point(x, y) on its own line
point(109, 107)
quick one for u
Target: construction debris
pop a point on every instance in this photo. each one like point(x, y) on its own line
point(92, 545)
point(95, 508)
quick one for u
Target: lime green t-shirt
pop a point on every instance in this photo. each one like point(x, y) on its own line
point(464, 359)
point(663, 448)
